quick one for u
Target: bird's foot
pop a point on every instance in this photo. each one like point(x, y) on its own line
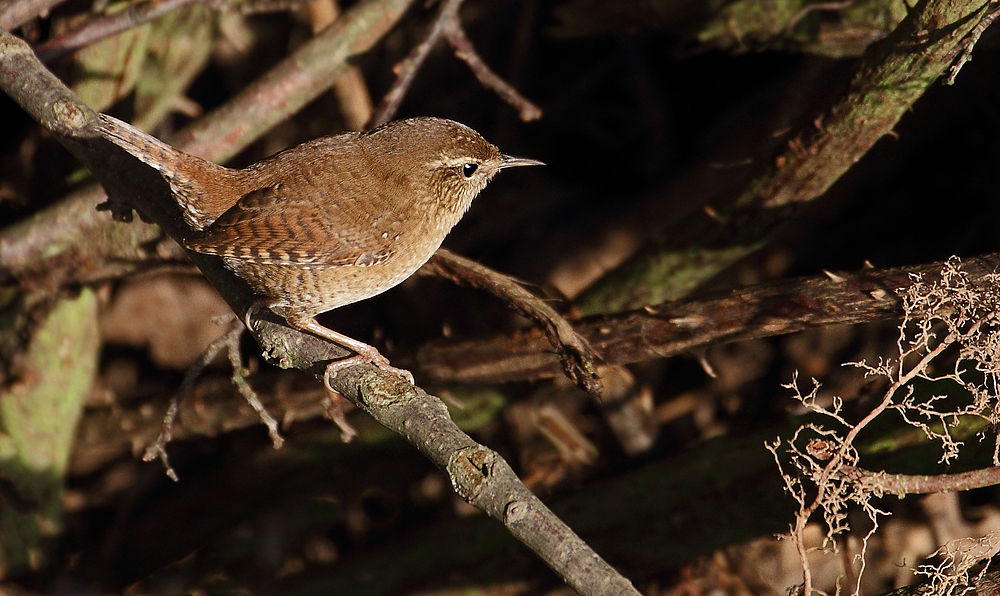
point(372, 357)
point(335, 411)
point(334, 403)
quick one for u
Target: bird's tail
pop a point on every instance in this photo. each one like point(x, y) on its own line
point(192, 179)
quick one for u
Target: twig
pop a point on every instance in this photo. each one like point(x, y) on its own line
point(449, 24)
point(239, 377)
point(967, 317)
point(578, 358)
point(158, 450)
point(230, 342)
point(103, 27)
point(918, 484)
point(350, 89)
point(969, 43)
point(406, 69)
point(467, 52)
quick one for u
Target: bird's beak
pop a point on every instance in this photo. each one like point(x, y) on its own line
point(509, 161)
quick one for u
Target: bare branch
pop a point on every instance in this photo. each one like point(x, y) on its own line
point(577, 357)
point(467, 52)
point(406, 70)
point(672, 328)
point(918, 484)
point(103, 27)
point(19, 13)
point(449, 24)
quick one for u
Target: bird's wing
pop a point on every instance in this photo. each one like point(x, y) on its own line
point(272, 226)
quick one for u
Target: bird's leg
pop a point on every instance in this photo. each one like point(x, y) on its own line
point(365, 353)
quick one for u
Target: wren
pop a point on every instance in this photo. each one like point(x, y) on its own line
point(332, 221)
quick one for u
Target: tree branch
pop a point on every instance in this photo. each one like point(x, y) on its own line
point(478, 474)
point(893, 74)
point(675, 327)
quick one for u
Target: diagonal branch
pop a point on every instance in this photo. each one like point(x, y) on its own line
point(406, 70)
point(478, 474)
point(466, 52)
point(577, 357)
point(891, 76)
point(105, 26)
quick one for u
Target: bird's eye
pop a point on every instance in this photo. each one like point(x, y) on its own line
point(469, 169)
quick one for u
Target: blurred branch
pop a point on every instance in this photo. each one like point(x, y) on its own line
point(18, 12)
point(675, 327)
point(350, 88)
point(39, 413)
point(293, 83)
point(449, 24)
point(893, 74)
point(835, 29)
point(103, 27)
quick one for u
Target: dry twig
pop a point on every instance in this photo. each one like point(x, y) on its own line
point(449, 24)
point(672, 328)
point(467, 52)
point(950, 314)
point(100, 28)
point(578, 358)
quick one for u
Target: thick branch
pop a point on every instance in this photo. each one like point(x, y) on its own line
point(675, 327)
point(481, 477)
point(893, 74)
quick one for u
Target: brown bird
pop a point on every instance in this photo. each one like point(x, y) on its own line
point(331, 221)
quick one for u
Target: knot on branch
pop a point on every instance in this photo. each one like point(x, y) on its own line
point(470, 469)
point(70, 116)
point(518, 512)
point(377, 390)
